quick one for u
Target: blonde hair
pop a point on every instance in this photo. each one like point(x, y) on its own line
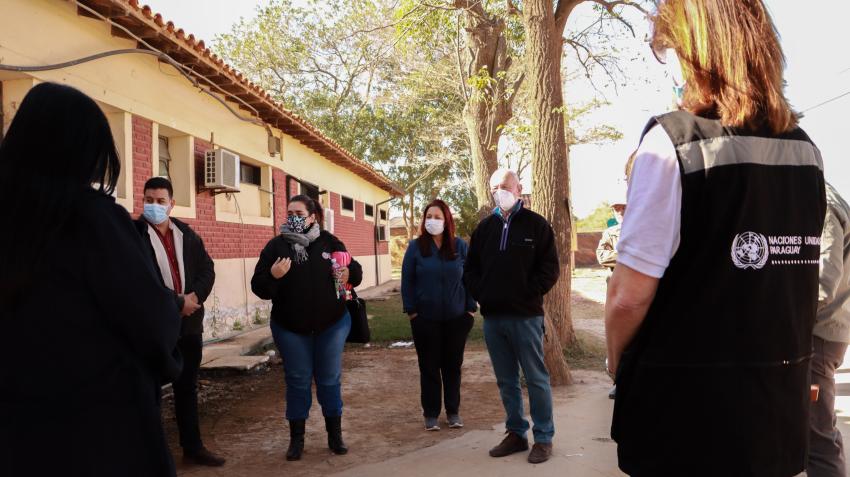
point(731, 61)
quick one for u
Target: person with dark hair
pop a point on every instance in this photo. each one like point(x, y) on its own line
point(91, 330)
point(713, 301)
point(441, 311)
point(309, 318)
point(184, 265)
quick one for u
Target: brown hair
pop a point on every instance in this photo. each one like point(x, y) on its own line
point(731, 61)
point(447, 250)
point(630, 164)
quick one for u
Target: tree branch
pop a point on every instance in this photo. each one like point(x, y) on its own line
point(517, 84)
point(512, 8)
point(460, 79)
point(610, 5)
point(562, 13)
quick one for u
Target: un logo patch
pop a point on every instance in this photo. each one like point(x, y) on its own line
point(749, 250)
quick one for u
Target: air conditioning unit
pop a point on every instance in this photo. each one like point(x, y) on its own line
point(221, 170)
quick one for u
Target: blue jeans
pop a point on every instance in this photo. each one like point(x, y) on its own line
point(515, 343)
point(308, 357)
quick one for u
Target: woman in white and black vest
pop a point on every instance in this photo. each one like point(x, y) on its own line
point(711, 307)
point(309, 319)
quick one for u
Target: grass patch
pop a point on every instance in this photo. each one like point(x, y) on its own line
point(389, 323)
point(587, 353)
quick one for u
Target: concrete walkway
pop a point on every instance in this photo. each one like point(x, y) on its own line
point(582, 446)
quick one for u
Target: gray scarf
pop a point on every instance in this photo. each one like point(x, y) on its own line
point(300, 242)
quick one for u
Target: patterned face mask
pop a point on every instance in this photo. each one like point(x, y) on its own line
point(297, 223)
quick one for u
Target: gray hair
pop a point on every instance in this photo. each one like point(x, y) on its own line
point(501, 174)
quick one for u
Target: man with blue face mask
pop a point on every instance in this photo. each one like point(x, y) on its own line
point(512, 262)
point(188, 271)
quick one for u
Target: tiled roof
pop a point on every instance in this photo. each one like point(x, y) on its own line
point(193, 53)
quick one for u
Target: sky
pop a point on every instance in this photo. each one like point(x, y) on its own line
point(814, 40)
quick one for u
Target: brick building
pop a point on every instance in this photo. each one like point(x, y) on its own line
point(169, 100)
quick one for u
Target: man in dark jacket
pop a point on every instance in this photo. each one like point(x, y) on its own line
point(512, 263)
point(188, 271)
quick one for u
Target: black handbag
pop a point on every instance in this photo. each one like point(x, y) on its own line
point(359, 321)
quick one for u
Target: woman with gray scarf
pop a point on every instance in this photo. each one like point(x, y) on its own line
point(309, 319)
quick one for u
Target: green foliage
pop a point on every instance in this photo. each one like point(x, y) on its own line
point(385, 94)
point(597, 220)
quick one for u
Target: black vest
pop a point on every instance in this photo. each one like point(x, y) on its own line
point(716, 381)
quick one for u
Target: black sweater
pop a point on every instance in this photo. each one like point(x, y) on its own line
point(303, 301)
point(511, 265)
point(199, 269)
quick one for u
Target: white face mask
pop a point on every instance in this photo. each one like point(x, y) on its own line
point(434, 226)
point(504, 199)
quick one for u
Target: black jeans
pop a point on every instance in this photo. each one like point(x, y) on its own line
point(186, 393)
point(439, 346)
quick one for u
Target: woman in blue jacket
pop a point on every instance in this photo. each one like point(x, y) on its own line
point(441, 311)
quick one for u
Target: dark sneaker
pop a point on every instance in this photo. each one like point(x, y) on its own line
point(511, 444)
point(540, 453)
point(203, 457)
point(431, 424)
point(455, 422)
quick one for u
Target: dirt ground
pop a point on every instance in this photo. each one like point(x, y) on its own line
point(243, 418)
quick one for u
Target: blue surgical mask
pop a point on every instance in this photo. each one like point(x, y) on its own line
point(297, 223)
point(155, 213)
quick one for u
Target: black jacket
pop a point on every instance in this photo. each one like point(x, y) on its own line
point(85, 354)
point(303, 301)
point(511, 265)
point(198, 267)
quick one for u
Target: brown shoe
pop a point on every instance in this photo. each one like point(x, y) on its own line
point(511, 444)
point(203, 457)
point(540, 453)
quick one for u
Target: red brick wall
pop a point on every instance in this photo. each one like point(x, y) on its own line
point(224, 239)
point(356, 233)
point(280, 198)
point(233, 240)
point(142, 160)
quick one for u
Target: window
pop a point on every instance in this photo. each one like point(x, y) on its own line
point(249, 174)
point(310, 190)
point(383, 215)
point(347, 204)
point(382, 233)
point(164, 158)
point(370, 210)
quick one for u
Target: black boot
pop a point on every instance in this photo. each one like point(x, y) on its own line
point(296, 440)
point(334, 428)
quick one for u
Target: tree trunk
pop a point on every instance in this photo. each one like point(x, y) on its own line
point(550, 168)
point(484, 158)
point(411, 228)
point(487, 108)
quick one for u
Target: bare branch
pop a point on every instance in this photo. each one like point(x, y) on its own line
point(610, 5)
point(382, 27)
